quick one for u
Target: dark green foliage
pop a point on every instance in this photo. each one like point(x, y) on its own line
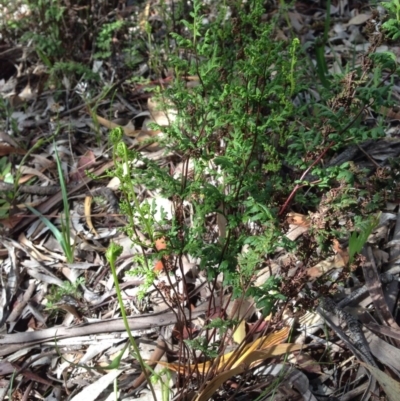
point(239, 128)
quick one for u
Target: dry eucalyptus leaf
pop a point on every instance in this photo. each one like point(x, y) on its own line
point(326, 266)
point(359, 19)
point(161, 114)
point(390, 386)
point(94, 390)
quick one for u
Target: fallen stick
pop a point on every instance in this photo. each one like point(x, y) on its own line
point(15, 341)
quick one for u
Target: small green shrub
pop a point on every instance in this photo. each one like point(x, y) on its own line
point(232, 126)
point(57, 293)
point(48, 40)
point(105, 37)
point(240, 128)
point(392, 24)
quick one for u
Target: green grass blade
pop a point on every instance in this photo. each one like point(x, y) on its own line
point(56, 232)
point(64, 194)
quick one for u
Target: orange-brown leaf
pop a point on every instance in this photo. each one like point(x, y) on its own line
point(6, 149)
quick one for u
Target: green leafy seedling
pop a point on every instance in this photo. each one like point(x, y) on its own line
point(59, 236)
point(392, 25)
point(56, 293)
point(63, 236)
point(358, 239)
point(65, 223)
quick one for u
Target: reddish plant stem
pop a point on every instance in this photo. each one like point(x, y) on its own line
point(286, 204)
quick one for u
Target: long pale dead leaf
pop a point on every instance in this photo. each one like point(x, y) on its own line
point(386, 353)
point(375, 290)
point(94, 390)
point(359, 19)
point(326, 266)
point(222, 223)
point(88, 215)
point(390, 386)
point(250, 358)
point(384, 330)
point(261, 343)
point(128, 129)
point(234, 358)
point(162, 112)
